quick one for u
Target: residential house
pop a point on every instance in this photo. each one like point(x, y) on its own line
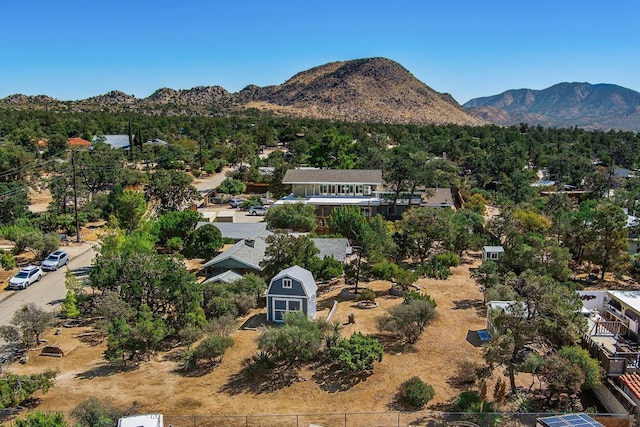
point(78, 143)
point(492, 252)
point(293, 289)
point(327, 189)
point(228, 276)
point(392, 208)
point(492, 307)
point(244, 257)
point(122, 142)
point(613, 329)
point(239, 231)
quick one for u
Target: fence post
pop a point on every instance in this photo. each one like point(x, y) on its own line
point(246, 421)
point(398, 418)
point(345, 419)
point(194, 421)
point(297, 420)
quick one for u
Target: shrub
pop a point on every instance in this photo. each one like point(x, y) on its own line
point(358, 353)
point(407, 321)
point(213, 348)
point(175, 244)
point(448, 259)
point(436, 270)
point(367, 294)
point(231, 186)
point(416, 393)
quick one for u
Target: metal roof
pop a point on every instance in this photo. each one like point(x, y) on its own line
point(300, 274)
point(333, 176)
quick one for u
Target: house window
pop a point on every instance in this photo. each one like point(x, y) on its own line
point(359, 190)
point(324, 189)
point(494, 255)
point(282, 306)
point(367, 190)
point(345, 189)
point(365, 211)
point(286, 283)
point(334, 189)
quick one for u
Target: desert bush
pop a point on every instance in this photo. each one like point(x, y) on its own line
point(367, 294)
point(407, 321)
point(415, 393)
point(448, 259)
point(357, 353)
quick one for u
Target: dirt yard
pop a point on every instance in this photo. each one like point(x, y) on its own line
point(157, 386)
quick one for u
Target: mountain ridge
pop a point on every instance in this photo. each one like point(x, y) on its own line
point(601, 106)
point(363, 90)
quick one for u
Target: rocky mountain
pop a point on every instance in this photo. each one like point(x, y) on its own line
point(599, 106)
point(373, 89)
point(368, 90)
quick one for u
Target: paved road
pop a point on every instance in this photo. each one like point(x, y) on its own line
point(49, 292)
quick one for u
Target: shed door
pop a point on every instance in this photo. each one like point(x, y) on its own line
point(281, 306)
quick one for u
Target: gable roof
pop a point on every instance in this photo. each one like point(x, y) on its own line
point(226, 277)
point(248, 252)
point(239, 230)
point(338, 248)
point(115, 141)
point(301, 275)
point(78, 142)
point(337, 176)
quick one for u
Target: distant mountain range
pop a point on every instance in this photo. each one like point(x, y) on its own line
point(362, 90)
point(376, 90)
point(599, 106)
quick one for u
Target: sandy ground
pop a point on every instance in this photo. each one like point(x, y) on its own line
point(157, 386)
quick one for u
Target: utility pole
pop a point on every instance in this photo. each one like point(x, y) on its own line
point(75, 195)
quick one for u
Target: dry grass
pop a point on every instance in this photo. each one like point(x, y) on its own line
point(156, 386)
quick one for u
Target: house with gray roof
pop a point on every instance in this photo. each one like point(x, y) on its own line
point(337, 248)
point(115, 141)
point(327, 189)
point(293, 289)
point(228, 276)
point(243, 257)
point(239, 230)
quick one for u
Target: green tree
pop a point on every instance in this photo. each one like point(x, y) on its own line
point(423, 227)
point(416, 393)
point(92, 412)
point(147, 332)
point(70, 308)
point(407, 321)
point(42, 419)
point(170, 190)
point(284, 251)
point(609, 245)
point(177, 224)
point(130, 208)
point(358, 353)
point(231, 186)
point(297, 339)
point(204, 242)
point(15, 389)
point(297, 216)
point(213, 348)
point(31, 321)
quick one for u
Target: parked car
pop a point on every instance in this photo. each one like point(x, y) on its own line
point(55, 260)
point(235, 203)
point(25, 277)
point(264, 201)
point(257, 210)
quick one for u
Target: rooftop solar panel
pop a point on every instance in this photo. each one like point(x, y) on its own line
point(569, 420)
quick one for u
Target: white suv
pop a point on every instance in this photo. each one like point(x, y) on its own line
point(25, 277)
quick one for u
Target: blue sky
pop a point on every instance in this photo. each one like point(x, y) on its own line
point(75, 49)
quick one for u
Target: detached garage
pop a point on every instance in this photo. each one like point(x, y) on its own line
point(293, 289)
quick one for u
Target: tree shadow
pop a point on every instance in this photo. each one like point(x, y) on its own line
point(332, 379)
point(106, 370)
point(247, 380)
point(467, 304)
point(393, 345)
point(202, 369)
